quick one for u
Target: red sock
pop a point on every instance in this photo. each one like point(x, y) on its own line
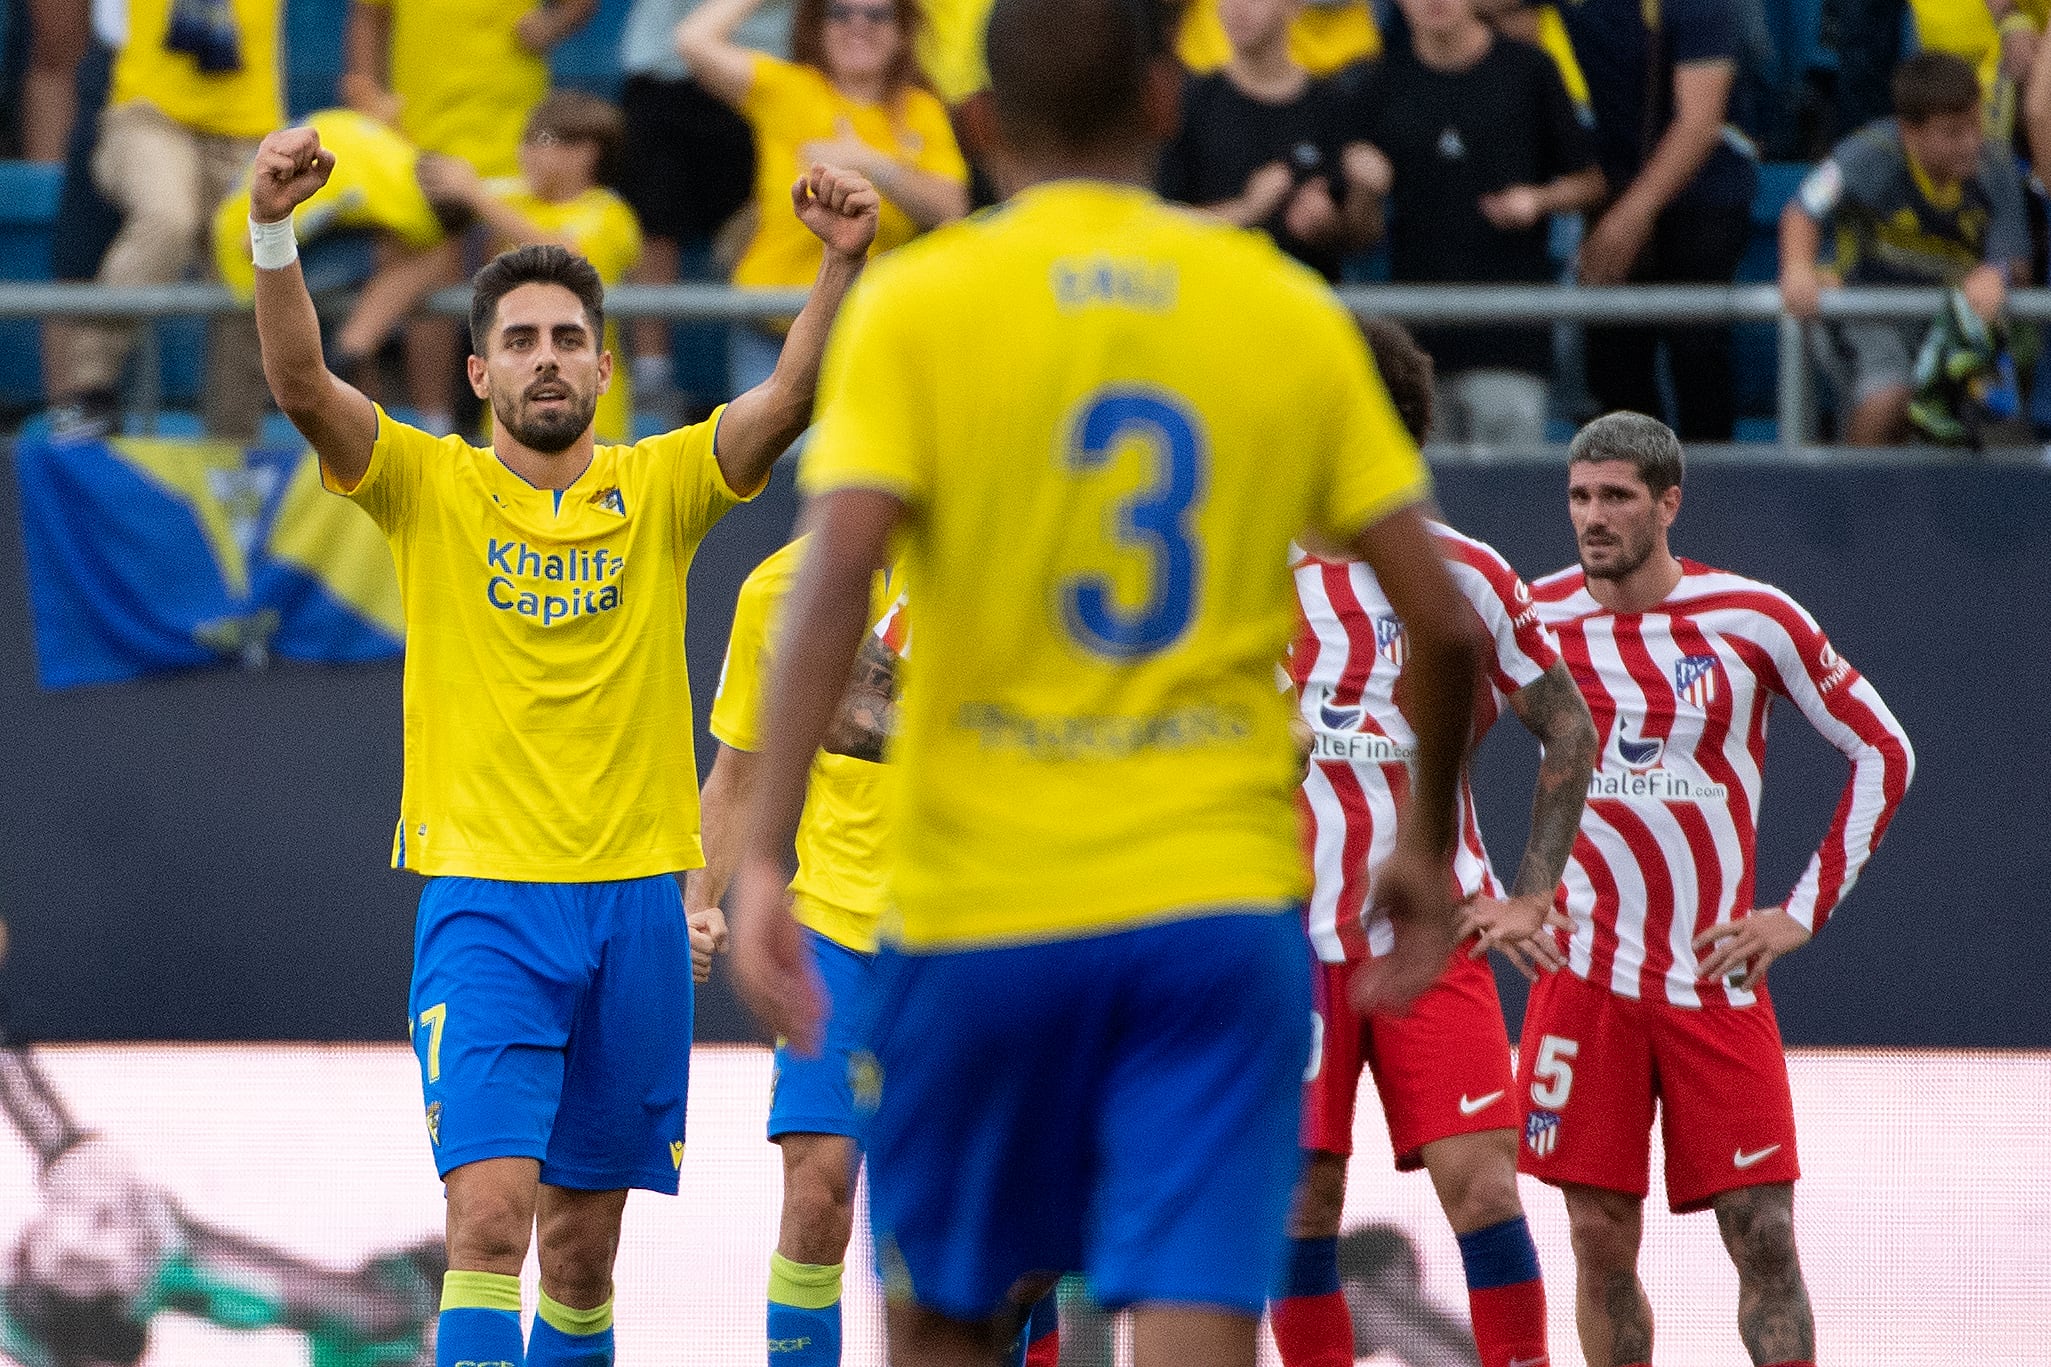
point(1509, 1324)
point(1044, 1351)
point(1313, 1331)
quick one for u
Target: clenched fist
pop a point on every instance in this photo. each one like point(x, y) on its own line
point(290, 166)
point(840, 207)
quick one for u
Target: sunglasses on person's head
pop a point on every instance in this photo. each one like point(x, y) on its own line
point(874, 14)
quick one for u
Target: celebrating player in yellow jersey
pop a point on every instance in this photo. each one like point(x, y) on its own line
point(550, 790)
point(839, 895)
point(1094, 424)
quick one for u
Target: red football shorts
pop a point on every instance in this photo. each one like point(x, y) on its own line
point(1591, 1065)
point(1442, 1070)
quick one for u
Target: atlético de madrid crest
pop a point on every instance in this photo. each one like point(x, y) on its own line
point(1695, 679)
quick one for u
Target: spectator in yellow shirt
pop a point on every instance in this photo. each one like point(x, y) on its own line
point(571, 140)
point(195, 86)
point(458, 78)
point(375, 188)
point(853, 96)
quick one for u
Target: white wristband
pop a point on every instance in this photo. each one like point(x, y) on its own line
point(273, 246)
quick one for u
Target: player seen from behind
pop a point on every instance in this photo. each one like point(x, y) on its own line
point(550, 790)
point(1096, 989)
point(1665, 999)
point(1443, 1068)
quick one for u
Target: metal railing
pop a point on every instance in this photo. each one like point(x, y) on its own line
point(1433, 305)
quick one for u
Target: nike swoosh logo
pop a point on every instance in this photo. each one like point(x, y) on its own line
point(1474, 1105)
point(1741, 1159)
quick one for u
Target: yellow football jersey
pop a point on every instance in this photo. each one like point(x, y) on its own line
point(1108, 419)
point(548, 710)
point(601, 228)
point(839, 888)
point(372, 186)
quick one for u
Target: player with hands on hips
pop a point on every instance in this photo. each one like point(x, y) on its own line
point(1664, 1000)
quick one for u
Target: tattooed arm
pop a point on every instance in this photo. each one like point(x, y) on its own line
point(868, 711)
point(1552, 709)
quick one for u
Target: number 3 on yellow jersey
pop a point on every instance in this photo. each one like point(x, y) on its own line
point(1155, 519)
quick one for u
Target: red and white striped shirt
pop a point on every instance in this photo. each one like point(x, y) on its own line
point(1347, 664)
point(1680, 696)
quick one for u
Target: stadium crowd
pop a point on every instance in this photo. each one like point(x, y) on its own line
point(1468, 141)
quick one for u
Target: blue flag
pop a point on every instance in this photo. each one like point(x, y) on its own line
point(148, 554)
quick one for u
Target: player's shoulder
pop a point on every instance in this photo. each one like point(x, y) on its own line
point(452, 451)
point(1457, 546)
point(763, 591)
point(1479, 568)
point(1706, 588)
point(1564, 589)
point(1739, 604)
point(1563, 600)
point(663, 455)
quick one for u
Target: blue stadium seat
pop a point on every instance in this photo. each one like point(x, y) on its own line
point(314, 31)
point(589, 59)
point(28, 207)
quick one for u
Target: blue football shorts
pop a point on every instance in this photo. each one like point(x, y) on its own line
point(1122, 1105)
point(553, 1021)
point(819, 1095)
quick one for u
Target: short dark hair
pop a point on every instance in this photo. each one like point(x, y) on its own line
point(1406, 371)
point(575, 116)
point(1074, 72)
point(1933, 83)
point(1649, 444)
point(538, 264)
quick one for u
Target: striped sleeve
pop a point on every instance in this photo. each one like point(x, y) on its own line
point(1524, 649)
point(1847, 711)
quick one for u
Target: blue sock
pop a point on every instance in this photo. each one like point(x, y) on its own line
point(480, 1321)
point(563, 1337)
point(1312, 1269)
point(804, 1313)
point(1501, 1255)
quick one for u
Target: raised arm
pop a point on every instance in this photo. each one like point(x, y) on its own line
point(1441, 675)
point(338, 420)
point(705, 40)
point(1552, 709)
point(825, 618)
point(366, 51)
point(840, 208)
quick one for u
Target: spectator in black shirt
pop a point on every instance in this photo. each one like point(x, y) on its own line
point(1474, 140)
point(1261, 146)
point(1659, 78)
